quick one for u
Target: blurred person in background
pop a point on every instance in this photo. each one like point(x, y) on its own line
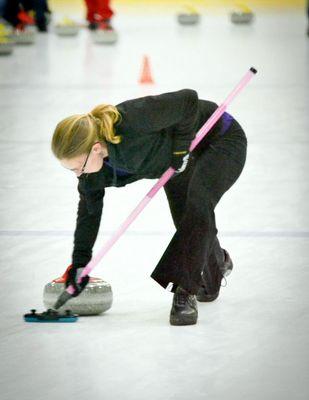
point(2, 5)
point(99, 14)
point(20, 12)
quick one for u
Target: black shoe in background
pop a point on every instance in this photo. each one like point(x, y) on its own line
point(92, 26)
point(42, 26)
point(184, 308)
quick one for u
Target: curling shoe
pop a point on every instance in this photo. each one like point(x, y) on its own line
point(92, 26)
point(228, 264)
point(105, 25)
point(184, 308)
point(226, 269)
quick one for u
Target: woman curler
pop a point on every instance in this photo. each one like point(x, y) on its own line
point(67, 294)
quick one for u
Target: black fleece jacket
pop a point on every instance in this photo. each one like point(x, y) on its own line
point(151, 128)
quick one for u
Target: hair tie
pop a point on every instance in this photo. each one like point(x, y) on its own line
point(90, 115)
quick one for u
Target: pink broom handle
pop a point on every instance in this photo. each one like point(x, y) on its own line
point(164, 178)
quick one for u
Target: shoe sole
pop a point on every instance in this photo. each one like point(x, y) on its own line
point(206, 298)
point(176, 321)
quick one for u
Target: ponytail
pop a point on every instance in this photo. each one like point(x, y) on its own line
point(75, 135)
point(106, 117)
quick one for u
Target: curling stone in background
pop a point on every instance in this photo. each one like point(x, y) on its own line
point(96, 298)
point(243, 15)
point(25, 34)
point(67, 27)
point(190, 17)
point(6, 46)
point(6, 43)
point(6, 30)
point(105, 34)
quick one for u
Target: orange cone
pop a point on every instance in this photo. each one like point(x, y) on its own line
point(146, 77)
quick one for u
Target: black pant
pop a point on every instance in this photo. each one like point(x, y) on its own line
point(193, 257)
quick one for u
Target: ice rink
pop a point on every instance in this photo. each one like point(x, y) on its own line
point(251, 343)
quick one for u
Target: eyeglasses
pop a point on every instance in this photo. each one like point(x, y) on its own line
point(84, 166)
point(82, 171)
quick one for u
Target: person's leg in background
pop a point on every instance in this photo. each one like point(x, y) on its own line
point(41, 10)
point(104, 9)
point(91, 10)
point(17, 12)
point(2, 6)
point(10, 12)
point(99, 12)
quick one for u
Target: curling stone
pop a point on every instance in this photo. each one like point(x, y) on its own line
point(6, 46)
point(67, 27)
point(96, 298)
point(6, 42)
point(7, 31)
point(27, 35)
point(243, 15)
point(190, 17)
point(105, 34)
point(240, 17)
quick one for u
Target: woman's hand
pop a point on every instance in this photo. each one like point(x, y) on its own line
point(72, 277)
point(180, 160)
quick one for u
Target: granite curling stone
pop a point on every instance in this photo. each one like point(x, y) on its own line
point(188, 18)
point(6, 31)
point(26, 35)
point(239, 17)
point(105, 36)
point(67, 27)
point(6, 43)
point(95, 299)
point(243, 15)
point(6, 46)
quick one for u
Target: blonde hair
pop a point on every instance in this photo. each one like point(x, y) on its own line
point(75, 135)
